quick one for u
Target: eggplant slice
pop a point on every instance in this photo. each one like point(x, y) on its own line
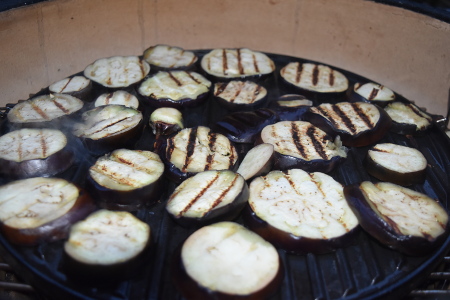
point(175, 89)
point(372, 93)
point(77, 86)
point(291, 107)
point(30, 152)
point(258, 161)
point(398, 217)
point(119, 98)
point(198, 149)
point(227, 261)
point(301, 212)
point(397, 164)
point(300, 144)
point(407, 118)
point(358, 124)
point(236, 63)
point(41, 209)
point(208, 197)
point(239, 95)
point(165, 57)
point(165, 121)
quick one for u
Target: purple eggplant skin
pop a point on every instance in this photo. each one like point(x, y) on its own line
point(55, 230)
point(361, 139)
point(125, 200)
point(352, 96)
point(46, 167)
point(243, 127)
point(190, 289)
point(407, 129)
point(178, 104)
point(296, 244)
point(225, 213)
point(286, 113)
point(381, 230)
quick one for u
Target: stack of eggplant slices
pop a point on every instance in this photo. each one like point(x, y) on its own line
point(249, 170)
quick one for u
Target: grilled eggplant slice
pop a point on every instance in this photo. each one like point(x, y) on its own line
point(400, 218)
point(208, 197)
point(194, 150)
point(300, 144)
point(118, 98)
point(109, 127)
point(41, 209)
point(315, 79)
point(77, 86)
point(358, 124)
point(397, 164)
point(300, 212)
point(236, 63)
point(126, 179)
point(407, 118)
point(106, 246)
point(258, 161)
point(165, 121)
point(117, 71)
point(175, 89)
point(372, 93)
point(31, 152)
point(239, 95)
point(227, 261)
point(245, 126)
point(49, 110)
point(165, 57)
point(291, 107)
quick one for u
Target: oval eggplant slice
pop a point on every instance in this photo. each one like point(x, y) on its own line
point(301, 212)
point(372, 93)
point(32, 152)
point(118, 97)
point(41, 209)
point(300, 144)
point(165, 121)
point(397, 164)
point(107, 245)
point(77, 86)
point(239, 95)
point(400, 218)
point(126, 179)
point(358, 124)
point(407, 118)
point(44, 111)
point(208, 197)
point(109, 127)
point(175, 89)
point(315, 78)
point(236, 63)
point(164, 57)
point(258, 161)
point(291, 107)
point(227, 261)
point(117, 71)
point(245, 126)
point(193, 150)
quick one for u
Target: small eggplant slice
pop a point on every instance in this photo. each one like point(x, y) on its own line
point(208, 197)
point(41, 209)
point(30, 152)
point(119, 98)
point(300, 144)
point(358, 124)
point(175, 89)
point(44, 111)
point(227, 261)
point(117, 71)
point(126, 179)
point(300, 212)
point(109, 127)
point(194, 150)
point(291, 107)
point(315, 79)
point(239, 95)
point(397, 164)
point(407, 118)
point(106, 246)
point(372, 93)
point(236, 63)
point(77, 86)
point(165, 121)
point(258, 161)
point(165, 57)
point(400, 218)
point(245, 126)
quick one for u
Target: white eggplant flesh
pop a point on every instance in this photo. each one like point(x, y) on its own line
point(258, 161)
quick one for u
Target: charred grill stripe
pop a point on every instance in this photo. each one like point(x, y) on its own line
point(107, 126)
point(190, 148)
point(415, 110)
point(224, 62)
point(198, 196)
point(344, 118)
point(60, 106)
point(114, 176)
point(174, 79)
point(240, 68)
point(255, 94)
point(209, 159)
point(108, 98)
point(223, 194)
point(236, 94)
point(315, 75)
point(128, 98)
point(297, 140)
point(298, 74)
point(65, 86)
point(193, 60)
point(362, 115)
point(141, 66)
point(39, 111)
point(19, 147)
point(193, 78)
point(318, 145)
point(231, 154)
point(379, 150)
point(331, 77)
point(255, 63)
point(222, 87)
point(324, 112)
point(169, 148)
point(373, 93)
point(43, 144)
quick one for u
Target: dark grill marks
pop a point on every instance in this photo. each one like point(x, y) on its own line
point(39, 111)
point(318, 145)
point(193, 78)
point(60, 106)
point(169, 149)
point(373, 93)
point(298, 75)
point(190, 147)
point(65, 86)
point(108, 98)
point(331, 77)
point(107, 126)
point(236, 94)
point(141, 66)
point(19, 147)
point(209, 159)
point(255, 63)
point(224, 62)
point(223, 194)
point(222, 87)
point(415, 110)
point(315, 75)
point(240, 68)
point(174, 79)
point(324, 112)
point(344, 118)
point(362, 115)
point(297, 141)
point(256, 93)
point(193, 60)
point(198, 196)
point(43, 144)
